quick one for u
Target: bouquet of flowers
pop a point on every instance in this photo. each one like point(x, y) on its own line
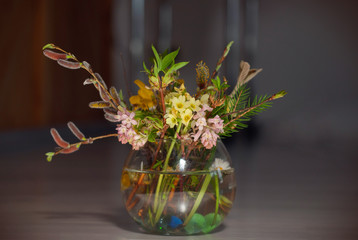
point(163, 108)
point(161, 114)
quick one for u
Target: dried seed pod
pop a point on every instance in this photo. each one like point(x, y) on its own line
point(110, 110)
point(99, 104)
point(74, 129)
point(100, 79)
point(89, 81)
point(69, 64)
point(58, 139)
point(72, 149)
point(111, 117)
point(114, 94)
point(103, 94)
point(252, 73)
point(54, 55)
point(86, 64)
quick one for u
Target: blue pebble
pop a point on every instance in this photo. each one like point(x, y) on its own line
point(175, 222)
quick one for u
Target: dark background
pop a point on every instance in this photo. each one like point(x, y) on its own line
point(297, 162)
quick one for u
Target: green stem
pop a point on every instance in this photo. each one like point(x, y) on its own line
point(199, 198)
point(217, 198)
point(166, 162)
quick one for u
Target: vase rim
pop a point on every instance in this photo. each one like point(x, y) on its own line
point(196, 172)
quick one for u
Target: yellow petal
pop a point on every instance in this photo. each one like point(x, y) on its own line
point(145, 93)
point(139, 83)
point(134, 100)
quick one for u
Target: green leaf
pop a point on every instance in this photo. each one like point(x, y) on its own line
point(159, 163)
point(49, 156)
point(145, 68)
point(159, 61)
point(155, 69)
point(152, 136)
point(156, 121)
point(279, 94)
point(168, 59)
point(194, 180)
point(225, 200)
point(176, 67)
point(217, 82)
point(49, 45)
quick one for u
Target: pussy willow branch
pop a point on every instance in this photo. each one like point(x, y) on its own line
point(113, 102)
point(91, 140)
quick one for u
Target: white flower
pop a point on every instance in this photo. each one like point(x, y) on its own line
point(220, 164)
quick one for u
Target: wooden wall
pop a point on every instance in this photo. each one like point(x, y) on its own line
point(35, 91)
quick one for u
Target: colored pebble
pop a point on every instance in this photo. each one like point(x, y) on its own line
point(175, 222)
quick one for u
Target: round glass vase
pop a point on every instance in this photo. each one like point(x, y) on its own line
point(177, 187)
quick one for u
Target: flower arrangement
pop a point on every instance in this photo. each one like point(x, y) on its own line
point(174, 130)
point(163, 108)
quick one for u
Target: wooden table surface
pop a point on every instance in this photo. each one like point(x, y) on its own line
point(287, 189)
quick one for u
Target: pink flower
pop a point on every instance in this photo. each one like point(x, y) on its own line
point(201, 123)
point(128, 119)
point(197, 135)
point(206, 108)
point(201, 113)
point(209, 138)
point(122, 133)
point(129, 135)
point(138, 142)
point(217, 124)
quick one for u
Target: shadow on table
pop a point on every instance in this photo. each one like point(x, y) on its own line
point(119, 218)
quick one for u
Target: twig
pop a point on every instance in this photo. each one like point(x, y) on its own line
point(113, 103)
point(247, 110)
point(87, 141)
point(218, 65)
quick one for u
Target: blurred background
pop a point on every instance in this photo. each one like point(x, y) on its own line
point(297, 162)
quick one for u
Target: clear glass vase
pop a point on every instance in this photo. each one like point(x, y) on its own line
point(176, 187)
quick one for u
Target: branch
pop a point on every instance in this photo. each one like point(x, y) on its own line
point(75, 146)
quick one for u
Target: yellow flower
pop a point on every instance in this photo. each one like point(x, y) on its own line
point(194, 105)
point(204, 99)
point(181, 89)
point(145, 98)
point(168, 98)
point(179, 103)
point(172, 111)
point(171, 120)
point(125, 181)
point(186, 116)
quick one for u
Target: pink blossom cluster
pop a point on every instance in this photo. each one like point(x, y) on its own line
point(207, 129)
point(126, 132)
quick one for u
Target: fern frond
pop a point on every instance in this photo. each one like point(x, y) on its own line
point(236, 120)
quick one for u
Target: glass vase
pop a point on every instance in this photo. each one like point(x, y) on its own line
point(177, 187)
